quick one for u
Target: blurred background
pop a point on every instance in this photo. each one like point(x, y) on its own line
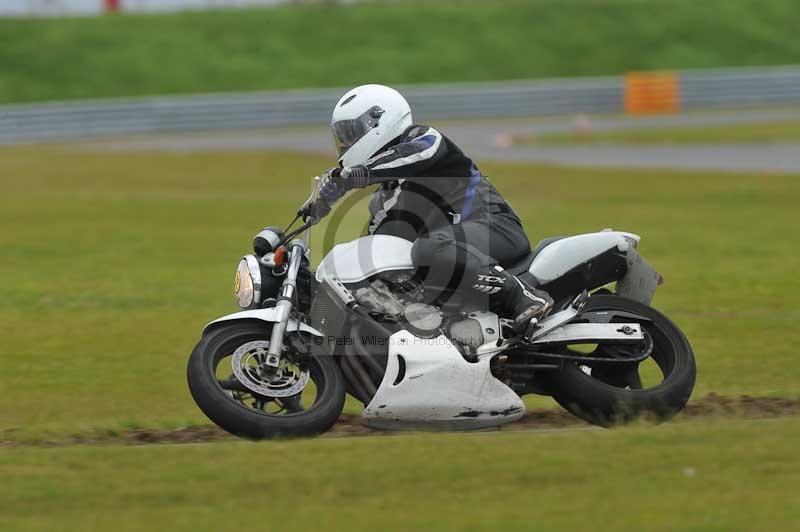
point(144, 142)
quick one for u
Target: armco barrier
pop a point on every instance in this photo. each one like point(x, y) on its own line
point(639, 92)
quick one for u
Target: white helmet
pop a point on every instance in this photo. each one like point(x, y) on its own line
point(365, 120)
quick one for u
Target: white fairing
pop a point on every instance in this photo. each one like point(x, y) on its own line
point(439, 389)
point(355, 261)
point(268, 315)
point(563, 255)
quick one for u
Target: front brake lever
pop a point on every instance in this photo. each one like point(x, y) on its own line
point(312, 197)
point(307, 216)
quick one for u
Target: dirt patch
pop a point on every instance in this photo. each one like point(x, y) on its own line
point(745, 406)
point(742, 406)
point(349, 424)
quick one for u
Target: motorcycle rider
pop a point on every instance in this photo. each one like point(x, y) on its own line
point(432, 194)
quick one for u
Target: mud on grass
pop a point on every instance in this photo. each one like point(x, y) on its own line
point(712, 405)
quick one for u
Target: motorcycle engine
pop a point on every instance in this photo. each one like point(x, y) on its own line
point(397, 297)
point(423, 320)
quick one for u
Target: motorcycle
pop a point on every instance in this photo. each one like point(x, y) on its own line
point(360, 325)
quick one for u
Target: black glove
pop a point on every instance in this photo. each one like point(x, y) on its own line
point(317, 210)
point(333, 186)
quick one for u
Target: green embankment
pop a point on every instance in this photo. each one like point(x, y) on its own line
point(388, 42)
point(112, 263)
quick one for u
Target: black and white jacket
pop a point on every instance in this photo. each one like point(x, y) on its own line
point(427, 181)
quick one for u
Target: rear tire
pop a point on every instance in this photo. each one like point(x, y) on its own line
point(604, 404)
point(236, 418)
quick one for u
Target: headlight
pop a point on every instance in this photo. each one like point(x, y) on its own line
point(247, 284)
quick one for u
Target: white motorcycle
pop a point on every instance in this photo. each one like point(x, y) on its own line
point(360, 325)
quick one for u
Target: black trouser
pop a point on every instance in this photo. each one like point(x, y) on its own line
point(452, 256)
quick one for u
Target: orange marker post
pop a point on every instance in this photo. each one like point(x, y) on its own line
point(652, 92)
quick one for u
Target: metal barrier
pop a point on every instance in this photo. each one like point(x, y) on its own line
point(741, 87)
point(697, 89)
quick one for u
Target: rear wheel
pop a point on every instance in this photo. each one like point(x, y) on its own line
point(609, 393)
point(304, 398)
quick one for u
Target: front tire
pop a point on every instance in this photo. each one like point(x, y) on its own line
point(605, 398)
point(227, 409)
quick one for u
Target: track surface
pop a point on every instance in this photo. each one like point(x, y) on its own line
point(488, 140)
point(349, 425)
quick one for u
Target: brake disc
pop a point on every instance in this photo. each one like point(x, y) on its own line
point(247, 362)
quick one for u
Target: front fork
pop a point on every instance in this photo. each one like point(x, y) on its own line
point(284, 305)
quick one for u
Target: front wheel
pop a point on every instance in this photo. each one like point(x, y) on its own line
point(605, 394)
point(304, 398)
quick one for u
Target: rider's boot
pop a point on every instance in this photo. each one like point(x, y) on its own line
point(513, 298)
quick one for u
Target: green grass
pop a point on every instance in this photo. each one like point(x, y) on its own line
point(387, 42)
point(691, 476)
point(755, 133)
point(111, 263)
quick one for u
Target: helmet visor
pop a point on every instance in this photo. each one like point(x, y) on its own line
point(348, 132)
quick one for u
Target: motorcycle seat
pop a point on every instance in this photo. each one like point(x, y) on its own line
point(522, 265)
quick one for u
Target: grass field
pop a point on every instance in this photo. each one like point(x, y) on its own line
point(754, 133)
point(690, 476)
point(112, 262)
point(386, 42)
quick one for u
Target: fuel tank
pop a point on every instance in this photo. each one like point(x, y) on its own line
point(364, 257)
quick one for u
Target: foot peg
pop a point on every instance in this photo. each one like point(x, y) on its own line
point(531, 330)
point(553, 321)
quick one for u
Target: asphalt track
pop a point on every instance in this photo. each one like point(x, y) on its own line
point(492, 140)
